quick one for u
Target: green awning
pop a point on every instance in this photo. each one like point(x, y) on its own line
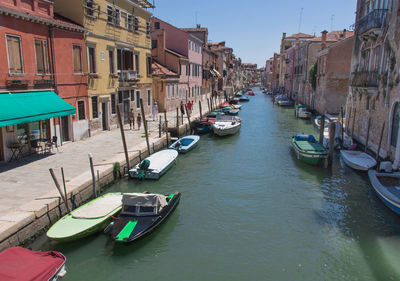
point(19, 108)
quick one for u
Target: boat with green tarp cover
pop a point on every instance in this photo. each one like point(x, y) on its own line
point(141, 213)
point(88, 219)
point(308, 149)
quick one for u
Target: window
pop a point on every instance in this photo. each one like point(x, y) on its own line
point(120, 97)
point(168, 92)
point(132, 95)
point(77, 53)
point(173, 91)
point(143, 209)
point(137, 63)
point(157, 25)
point(395, 125)
point(113, 104)
point(137, 99)
point(148, 64)
point(129, 22)
point(42, 57)
point(187, 70)
point(111, 61)
point(95, 109)
point(154, 44)
point(136, 24)
point(15, 63)
point(81, 110)
point(110, 14)
point(92, 59)
point(124, 59)
point(177, 90)
point(126, 94)
point(89, 8)
point(148, 97)
point(148, 28)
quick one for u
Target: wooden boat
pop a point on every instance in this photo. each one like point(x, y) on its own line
point(142, 213)
point(308, 149)
point(154, 166)
point(285, 102)
point(185, 144)
point(201, 127)
point(234, 101)
point(387, 187)
point(17, 263)
point(358, 160)
point(226, 125)
point(238, 94)
point(233, 112)
point(303, 112)
point(244, 99)
point(236, 106)
point(251, 93)
point(86, 220)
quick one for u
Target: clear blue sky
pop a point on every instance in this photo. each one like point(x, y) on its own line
point(253, 28)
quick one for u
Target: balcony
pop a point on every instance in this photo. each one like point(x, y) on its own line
point(373, 23)
point(365, 79)
point(128, 76)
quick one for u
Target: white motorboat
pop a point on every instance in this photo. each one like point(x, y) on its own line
point(185, 144)
point(303, 113)
point(154, 166)
point(236, 106)
point(226, 125)
point(358, 160)
point(387, 187)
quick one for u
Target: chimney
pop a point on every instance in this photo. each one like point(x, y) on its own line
point(198, 26)
point(323, 44)
point(283, 35)
point(344, 33)
point(161, 47)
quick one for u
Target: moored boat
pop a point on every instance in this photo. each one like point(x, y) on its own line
point(244, 99)
point(185, 144)
point(303, 112)
point(236, 106)
point(308, 149)
point(358, 160)
point(142, 213)
point(154, 166)
point(387, 187)
point(17, 263)
point(201, 127)
point(251, 93)
point(238, 94)
point(86, 220)
point(226, 125)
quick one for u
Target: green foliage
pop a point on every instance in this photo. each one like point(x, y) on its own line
point(313, 76)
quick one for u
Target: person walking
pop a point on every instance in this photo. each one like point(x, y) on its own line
point(155, 111)
point(139, 120)
point(131, 120)
point(189, 107)
point(182, 108)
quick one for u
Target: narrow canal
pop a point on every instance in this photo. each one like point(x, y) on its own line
point(251, 211)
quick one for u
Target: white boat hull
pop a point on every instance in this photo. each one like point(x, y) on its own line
point(185, 148)
point(226, 129)
point(358, 160)
point(160, 162)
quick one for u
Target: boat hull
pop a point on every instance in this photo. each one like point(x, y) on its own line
point(144, 225)
point(309, 157)
point(357, 165)
point(379, 189)
point(186, 148)
point(226, 132)
point(154, 174)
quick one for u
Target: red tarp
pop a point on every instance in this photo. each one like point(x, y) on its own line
point(18, 263)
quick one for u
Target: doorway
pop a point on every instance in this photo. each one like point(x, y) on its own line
point(104, 115)
point(65, 129)
point(127, 106)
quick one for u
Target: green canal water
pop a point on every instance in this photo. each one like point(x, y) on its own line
point(251, 211)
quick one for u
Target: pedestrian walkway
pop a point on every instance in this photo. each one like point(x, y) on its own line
point(29, 179)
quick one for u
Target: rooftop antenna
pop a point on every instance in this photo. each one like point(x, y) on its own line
point(301, 18)
point(332, 22)
point(196, 17)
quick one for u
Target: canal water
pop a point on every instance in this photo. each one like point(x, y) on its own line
point(251, 211)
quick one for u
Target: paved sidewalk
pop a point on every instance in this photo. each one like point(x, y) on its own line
point(29, 179)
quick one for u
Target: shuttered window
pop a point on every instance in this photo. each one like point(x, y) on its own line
point(42, 56)
point(15, 65)
point(81, 110)
point(77, 53)
point(92, 59)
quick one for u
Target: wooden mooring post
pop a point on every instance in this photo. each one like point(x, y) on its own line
point(208, 103)
point(348, 116)
point(145, 126)
point(332, 129)
point(321, 130)
point(93, 175)
point(201, 113)
point(166, 125)
point(366, 141)
point(58, 187)
point(177, 123)
point(65, 190)
point(121, 126)
point(380, 142)
point(341, 126)
point(354, 121)
point(188, 117)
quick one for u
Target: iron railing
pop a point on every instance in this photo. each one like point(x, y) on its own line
point(365, 79)
point(374, 20)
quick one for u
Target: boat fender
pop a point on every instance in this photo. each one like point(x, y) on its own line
point(109, 228)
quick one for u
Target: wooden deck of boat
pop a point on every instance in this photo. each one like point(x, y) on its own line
point(310, 147)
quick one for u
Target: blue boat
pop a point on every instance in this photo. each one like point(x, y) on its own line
point(387, 187)
point(185, 144)
point(244, 99)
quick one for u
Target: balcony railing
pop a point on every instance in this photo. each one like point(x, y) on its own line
point(365, 79)
point(127, 76)
point(374, 20)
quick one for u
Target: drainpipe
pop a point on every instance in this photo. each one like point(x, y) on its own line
point(54, 77)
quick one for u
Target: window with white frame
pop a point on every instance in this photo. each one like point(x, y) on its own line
point(173, 91)
point(92, 59)
point(168, 92)
point(14, 52)
point(110, 14)
point(148, 28)
point(89, 8)
point(77, 55)
point(129, 22)
point(95, 107)
point(136, 24)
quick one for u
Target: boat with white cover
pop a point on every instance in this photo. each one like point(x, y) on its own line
point(226, 125)
point(358, 160)
point(154, 166)
point(185, 144)
point(387, 187)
